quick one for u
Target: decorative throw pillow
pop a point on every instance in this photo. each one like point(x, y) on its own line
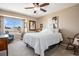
point(75, 41)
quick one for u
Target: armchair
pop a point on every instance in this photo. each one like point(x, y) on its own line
point(10, 37)
point(73, 44)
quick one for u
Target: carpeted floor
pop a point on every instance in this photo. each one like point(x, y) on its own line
point(18, 48)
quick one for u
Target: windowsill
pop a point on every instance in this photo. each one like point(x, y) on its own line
point(4, 36)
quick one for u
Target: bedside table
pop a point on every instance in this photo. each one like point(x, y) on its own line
point(38, 30)
point(4, 43)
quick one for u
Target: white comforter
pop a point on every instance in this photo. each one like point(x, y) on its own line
point(42, 40)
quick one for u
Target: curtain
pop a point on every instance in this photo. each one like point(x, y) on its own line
point(1, 25)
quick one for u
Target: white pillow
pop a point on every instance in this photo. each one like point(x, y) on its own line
point(50, 30)
point(46, 30)
point(55, 30)
point(75, 41)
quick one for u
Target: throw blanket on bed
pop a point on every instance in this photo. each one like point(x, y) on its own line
point(42, 40)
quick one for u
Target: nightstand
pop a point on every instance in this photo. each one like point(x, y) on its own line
point(38, 30)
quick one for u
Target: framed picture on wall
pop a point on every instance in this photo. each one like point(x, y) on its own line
point(32, 25)
point(55, 22)
point(41, 26)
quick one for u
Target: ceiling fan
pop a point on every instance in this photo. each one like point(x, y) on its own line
point(38, 6)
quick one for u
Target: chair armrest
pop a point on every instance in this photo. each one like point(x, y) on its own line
point(70, 39)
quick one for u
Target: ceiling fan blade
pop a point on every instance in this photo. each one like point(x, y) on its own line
point(29, 7)
point(43, 10)
point(45, 4)
point(34, 11)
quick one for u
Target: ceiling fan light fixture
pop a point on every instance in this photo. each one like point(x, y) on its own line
point(37, 8)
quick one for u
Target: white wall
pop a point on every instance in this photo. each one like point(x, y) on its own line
point(68, 20)
point(16, 15)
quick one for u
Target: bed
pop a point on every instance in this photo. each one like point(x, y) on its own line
point(41, 41)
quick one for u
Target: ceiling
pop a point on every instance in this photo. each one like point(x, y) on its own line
point(19, 8)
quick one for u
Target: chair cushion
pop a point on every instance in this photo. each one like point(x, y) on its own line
point(11, 37)
point(75, 41)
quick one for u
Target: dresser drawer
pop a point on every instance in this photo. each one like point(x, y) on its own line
point(3, 44)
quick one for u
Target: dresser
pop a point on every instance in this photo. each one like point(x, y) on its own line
point(4, 43)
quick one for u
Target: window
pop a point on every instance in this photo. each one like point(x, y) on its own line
point(13, 25)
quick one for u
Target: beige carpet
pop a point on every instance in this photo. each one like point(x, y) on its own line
point(18, 48)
